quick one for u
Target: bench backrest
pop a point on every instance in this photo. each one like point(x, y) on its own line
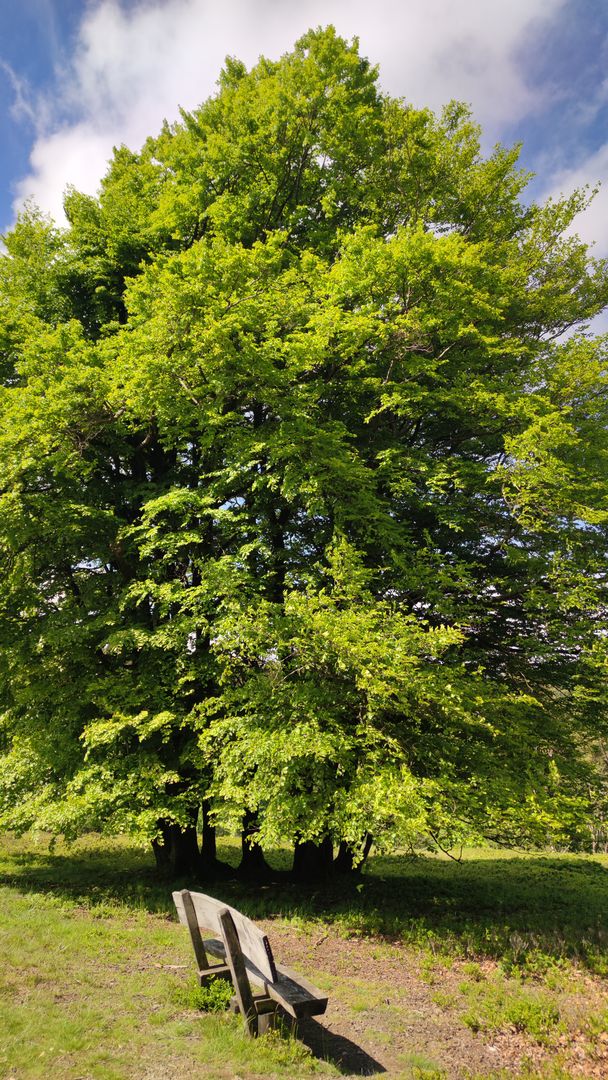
point(254, 943)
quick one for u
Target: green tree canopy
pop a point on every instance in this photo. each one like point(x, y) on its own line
point(303, 481)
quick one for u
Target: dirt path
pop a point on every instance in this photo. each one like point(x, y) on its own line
point(384, 1018)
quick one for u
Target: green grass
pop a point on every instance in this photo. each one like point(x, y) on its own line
point(499, 1004)
point(96, 979)
point(528, 911)
point(213, 997)
point(92, 984)
point(95, 998)
point(421, 1067)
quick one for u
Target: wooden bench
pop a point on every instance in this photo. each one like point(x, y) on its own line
point(245, 957)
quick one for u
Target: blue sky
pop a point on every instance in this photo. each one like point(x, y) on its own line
point(78, 77)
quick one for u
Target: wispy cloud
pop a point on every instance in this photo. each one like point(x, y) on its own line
point(22, 107)
point(592, 224)
point(132, 66)
point(45, 15)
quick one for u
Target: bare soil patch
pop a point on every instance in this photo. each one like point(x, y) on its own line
point(383, 1008)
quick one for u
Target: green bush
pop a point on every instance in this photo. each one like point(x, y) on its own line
point(499, 1005)
point(214, 996)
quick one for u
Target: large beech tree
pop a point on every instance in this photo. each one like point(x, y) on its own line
point(303, 485)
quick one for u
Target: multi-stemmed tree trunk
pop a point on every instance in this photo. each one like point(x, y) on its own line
point(313, 861)
point(349, 861)
point(177, 851)
point(253, 865)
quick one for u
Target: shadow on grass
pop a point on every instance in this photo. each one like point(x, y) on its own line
point(504, 905)
point(341, 1052)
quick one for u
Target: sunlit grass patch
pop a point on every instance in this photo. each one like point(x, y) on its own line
point(498, 1004)
point(99, 996)
point(527, 910)
point(420, 1066)
point(98, 976)
point(214, 996)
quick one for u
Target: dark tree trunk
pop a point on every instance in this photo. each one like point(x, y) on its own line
point(367, 847)
point(210, 865)
point(311, 861)
point(253, 864)
point(344, 860)
point(177, 853)
point(209, 846)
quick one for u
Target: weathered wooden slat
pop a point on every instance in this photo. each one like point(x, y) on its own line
point(263, 1005)
point(215, 971)
point(236, 963)
point(254, 943)
point(206, 971)
point(288, 988)
point(193, 927)
point(267, 1019)
point(296, 994)
point(215, 947)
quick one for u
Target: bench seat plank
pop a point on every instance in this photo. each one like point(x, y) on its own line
point(290, 989)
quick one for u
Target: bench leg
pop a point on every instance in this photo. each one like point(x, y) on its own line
point(266, 1022)
point(236, 965)
point(259, 1014)
point(265, 1010)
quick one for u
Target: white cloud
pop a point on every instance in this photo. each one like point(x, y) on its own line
point(132, 67)
point(592, 224)
point(76, 155)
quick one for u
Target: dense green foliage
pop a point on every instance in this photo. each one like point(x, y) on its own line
point(303, 483)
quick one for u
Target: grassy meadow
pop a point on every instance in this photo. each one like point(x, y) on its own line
point(491, 967)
